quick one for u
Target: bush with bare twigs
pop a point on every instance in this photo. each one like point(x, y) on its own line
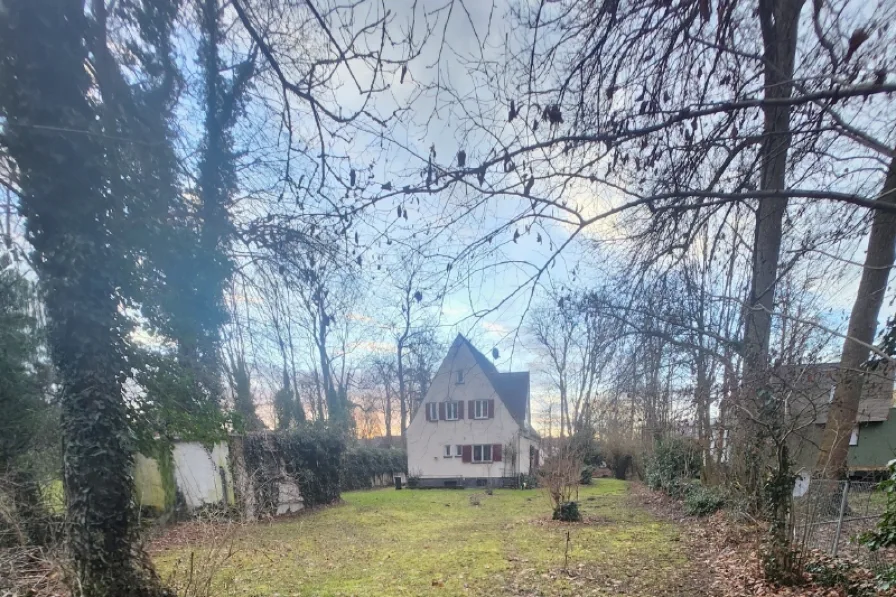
point(560, 475)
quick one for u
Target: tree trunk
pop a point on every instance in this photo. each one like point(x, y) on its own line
point(832, 457)
point(779, 20)
point(44, 89)
point(402, 389)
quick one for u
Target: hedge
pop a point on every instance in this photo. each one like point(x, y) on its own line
point(361, 465)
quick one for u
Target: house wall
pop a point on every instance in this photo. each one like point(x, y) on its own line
point(427, 439)
point(877, 444)
point(876, 447)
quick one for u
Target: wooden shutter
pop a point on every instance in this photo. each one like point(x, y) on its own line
point(426, 407)
point(460, 409)
point(441, 411)
point(491, 409)
point(496, 453)
point(466, 453)
point(471, 405)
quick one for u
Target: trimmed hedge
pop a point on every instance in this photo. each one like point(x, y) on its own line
point(361, 465)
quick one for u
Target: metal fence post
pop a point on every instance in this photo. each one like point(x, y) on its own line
point(843, 502)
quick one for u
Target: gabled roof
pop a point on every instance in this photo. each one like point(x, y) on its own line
point(512, 387)
point(810, 389)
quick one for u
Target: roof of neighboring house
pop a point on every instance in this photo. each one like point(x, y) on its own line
point(512, 387)
point(811, 388)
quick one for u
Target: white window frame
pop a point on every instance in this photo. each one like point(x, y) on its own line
point(854, 436)
point(458, 451)
point(459, 377)
point(480, 409)
point(451, 408)
point(448, 453)
point(432, 411)
point(482, 453)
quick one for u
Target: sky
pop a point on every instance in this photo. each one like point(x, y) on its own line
point(465, 32)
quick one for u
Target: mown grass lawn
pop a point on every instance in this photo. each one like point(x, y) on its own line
point(435, 542)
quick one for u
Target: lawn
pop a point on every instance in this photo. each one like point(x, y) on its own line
point(436, 542)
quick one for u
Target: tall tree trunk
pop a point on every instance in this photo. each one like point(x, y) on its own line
point(832, 457)
point(779, 20)
point(44, 89)
point(217, 180)
point(402, 388)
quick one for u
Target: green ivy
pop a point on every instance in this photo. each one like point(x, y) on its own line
point(361, 464)
point(884, 535)
point(311, 455)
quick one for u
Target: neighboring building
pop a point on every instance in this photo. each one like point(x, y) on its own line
point(809, 389)
point(473, 427)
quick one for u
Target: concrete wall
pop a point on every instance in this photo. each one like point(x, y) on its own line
point(203, 476)
point(148, 483)
point(197, 477)
point(427, 439)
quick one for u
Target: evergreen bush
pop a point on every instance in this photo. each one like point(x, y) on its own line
point(701, 500)
point(567, 512)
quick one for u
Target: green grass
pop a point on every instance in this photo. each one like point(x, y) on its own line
point(423, 542)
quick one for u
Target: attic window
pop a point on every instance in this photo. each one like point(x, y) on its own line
point(458, 377)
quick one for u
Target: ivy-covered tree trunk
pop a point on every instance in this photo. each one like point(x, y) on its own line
point(52, 134)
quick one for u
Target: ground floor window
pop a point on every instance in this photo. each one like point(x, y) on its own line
point(482, 453)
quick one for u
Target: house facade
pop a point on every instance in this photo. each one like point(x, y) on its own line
point(473, 427)
point(808, 391)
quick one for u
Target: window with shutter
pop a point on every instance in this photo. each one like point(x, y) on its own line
point(432, 411)
point(467, 454)
point(441, 411)
point(451, 411)
point(483, 453)
point(491, 409)
point(479, 409)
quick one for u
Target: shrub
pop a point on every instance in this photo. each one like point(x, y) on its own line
point(529, 481)
point(561, 473)
point(567, 512)
point(361, 465)
point(414, 481)
point(673, 463)
point(884, 535)
point(702, 501)
point(587, 475)
point(619, 454)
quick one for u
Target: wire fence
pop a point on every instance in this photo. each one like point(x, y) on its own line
point(831, 515)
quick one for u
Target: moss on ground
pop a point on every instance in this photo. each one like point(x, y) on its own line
point(388, 542)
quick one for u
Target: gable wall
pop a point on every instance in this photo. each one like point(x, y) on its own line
point(427, 439)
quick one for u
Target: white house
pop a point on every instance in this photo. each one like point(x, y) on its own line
point(473, 427)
